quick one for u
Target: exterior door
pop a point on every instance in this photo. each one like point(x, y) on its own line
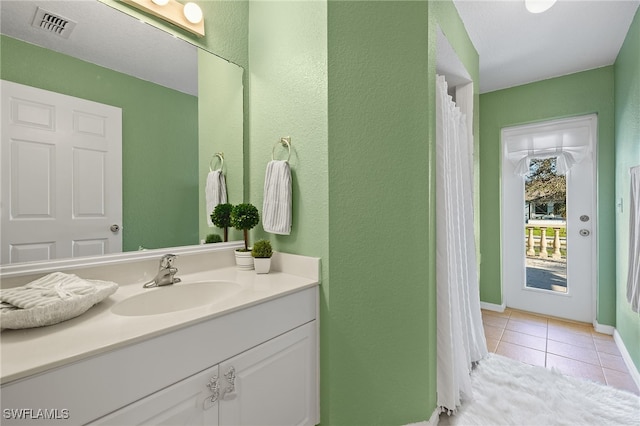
point(577, 300)
point(61, 176)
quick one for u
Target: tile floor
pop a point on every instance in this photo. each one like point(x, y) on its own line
point(573, 348)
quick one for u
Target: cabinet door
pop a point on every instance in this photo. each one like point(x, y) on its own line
point(274, 383)
point(188, 402)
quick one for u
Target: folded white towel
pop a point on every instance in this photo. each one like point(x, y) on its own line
point(51, 299)
point(276, 209)
point(215, 192)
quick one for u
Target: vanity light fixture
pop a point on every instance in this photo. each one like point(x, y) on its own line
point(188, 17)
point(538, 6)
point(193, 13)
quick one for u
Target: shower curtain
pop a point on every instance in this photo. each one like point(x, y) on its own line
point(460, 335)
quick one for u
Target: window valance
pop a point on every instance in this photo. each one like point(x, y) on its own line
point(570, 146)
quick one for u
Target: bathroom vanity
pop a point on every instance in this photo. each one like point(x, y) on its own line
point(250, 357)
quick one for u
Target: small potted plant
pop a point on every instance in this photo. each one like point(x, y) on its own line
point(261, 253)
point(221, 217)
point(213, 238)
point(244, 217)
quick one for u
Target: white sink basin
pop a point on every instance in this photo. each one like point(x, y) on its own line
point(176, 297)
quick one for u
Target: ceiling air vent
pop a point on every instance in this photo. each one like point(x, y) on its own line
point(53, 23)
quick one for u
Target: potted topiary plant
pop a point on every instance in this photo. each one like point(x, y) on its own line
point(213, 238)
point(244, 217)
point(221, 217)
point(261, 253)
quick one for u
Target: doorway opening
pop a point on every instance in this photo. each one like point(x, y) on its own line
point(546, 226)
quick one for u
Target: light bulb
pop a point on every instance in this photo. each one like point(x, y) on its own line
point(193, 13)
point(160, 2)
point(538, 6)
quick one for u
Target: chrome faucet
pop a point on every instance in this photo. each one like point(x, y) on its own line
point(166, 272)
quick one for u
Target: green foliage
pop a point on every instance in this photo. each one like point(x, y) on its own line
point(213, 238)
point(244, 217)
point(221, 216)
point(543, 185)
point(262, 249)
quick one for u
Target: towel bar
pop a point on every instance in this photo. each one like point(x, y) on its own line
point(286, 142)
point(219, 155)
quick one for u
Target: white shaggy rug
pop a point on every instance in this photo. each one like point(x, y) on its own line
point(508, 392)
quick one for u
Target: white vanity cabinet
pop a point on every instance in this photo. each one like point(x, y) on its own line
point(272, 384)
point(188, 402)
point(165, 378)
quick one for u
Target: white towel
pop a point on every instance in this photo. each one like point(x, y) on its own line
point(215, 192)
point(276, 209)
point(51, 299)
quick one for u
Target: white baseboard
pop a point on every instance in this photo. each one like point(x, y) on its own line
point(627, 358)
point(492, 307)
point(604, 329)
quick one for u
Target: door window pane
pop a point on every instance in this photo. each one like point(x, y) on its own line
point(546, 226)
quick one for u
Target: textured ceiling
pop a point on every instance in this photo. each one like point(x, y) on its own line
point(518, 47)
point(109, 38)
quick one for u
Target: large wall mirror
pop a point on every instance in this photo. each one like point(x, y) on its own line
point(180, 106)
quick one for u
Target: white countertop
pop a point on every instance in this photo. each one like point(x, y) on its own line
point(29, 351)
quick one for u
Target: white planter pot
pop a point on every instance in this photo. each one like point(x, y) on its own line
point(244, 260)
point(262, 265)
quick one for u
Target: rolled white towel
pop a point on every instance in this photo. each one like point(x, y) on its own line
point(215, 192)
point(276, 208)
point(51, 299)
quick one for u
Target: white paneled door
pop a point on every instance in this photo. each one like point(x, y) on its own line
point(575, 299)
point(61, 183)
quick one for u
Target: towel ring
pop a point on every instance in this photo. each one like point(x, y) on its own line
point(218, 155)
point(286, 142)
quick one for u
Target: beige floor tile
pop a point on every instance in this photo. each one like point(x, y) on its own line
point(579, 326)
point(504, 314)
point(620, 380)
point(527, 317)
point(520, 353)
point(494, 321)
point(575, 368)
point(527, 328)
point(600, 336)
point(607, 347)
point(574, 352)
point(569, 347)
point(566, 336)
point(492, 344)
point(526, 340)
point(613, 362)
point(491, 332)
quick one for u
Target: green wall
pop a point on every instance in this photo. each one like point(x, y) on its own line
point(288, 97)
point(220, 122)
point(572, 95)
point(627, 125)
point(381, 301)
point(159, 145)
point(355, 124)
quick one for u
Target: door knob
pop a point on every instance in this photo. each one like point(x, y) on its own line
point(584, 232)
point(114, 228)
